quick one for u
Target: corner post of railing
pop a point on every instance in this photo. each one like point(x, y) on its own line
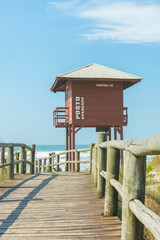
point(57, 163)
point(133, 188)
point(91, 157)
point(10, 159)
point(3, 170)
point(23, 157)
point(111, 195)
point(77, 154)
point(101, 164)
point(16, 159)
point(66, 162)
point(50, 162)
point(32, 158)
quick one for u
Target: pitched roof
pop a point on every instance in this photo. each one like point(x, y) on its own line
point(94, 72)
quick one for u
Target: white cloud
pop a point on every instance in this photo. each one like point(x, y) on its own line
point(127, 22)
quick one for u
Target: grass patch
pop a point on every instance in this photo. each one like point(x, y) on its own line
point(155, 164)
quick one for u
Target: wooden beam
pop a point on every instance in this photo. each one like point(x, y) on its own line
point(134, 172)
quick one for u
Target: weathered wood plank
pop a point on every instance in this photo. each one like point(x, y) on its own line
point(101, 165)
point(111, 195)
point(117, 186)
point(133, 188)
point(147, 217)
point(139, 147)
point(48, 206)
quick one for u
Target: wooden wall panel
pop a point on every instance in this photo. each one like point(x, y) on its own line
point(103, 103)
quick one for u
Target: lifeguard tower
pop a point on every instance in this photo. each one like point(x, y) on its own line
point(93, 98)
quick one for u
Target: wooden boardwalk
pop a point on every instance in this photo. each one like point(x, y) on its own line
point(56, 206)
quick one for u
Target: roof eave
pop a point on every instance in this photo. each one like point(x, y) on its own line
point(132, 81)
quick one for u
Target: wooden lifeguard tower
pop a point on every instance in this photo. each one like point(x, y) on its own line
point(93, 98)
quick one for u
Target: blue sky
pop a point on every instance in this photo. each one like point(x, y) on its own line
point(40, 39)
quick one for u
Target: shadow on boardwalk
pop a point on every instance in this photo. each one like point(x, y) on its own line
point(13, 216)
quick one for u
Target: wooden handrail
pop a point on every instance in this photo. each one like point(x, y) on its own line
point(57, 108)
point(133, 189)
point(139, 147)
point(17, 158)
point(54, 160)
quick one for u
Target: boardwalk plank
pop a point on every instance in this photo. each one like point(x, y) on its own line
point(54, 206)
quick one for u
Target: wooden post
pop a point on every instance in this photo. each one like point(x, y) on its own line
point(133, 188)
point(23, 157)
point(66, 138)
point(70, 147)
point(36, 166)
point(17, 165)
point(57, 161)
point(3, 170)
point(50, 163)
point(93, 160)
point(101, 164)
point(10, 159)
point(66, 164)
point(73, 147)
point(44, 164)
point(95, 167)
point(121, 137)
point(53, 162)
point(77, 154)
point(32, 158)
point(90, 164)
point(39, 165)
point(111, 195)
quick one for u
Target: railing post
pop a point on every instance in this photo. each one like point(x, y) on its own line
point(44, 164)
point(23, 157)
point(93, 160)
point(90, 164)
point(77, 159)
point(50, 162)
point(17, 165)
point(95, 167)
point(53, 162)
point(111, 195)
point(10, 159)
point(66, 160)
point(36, 166)
point(32, 159)
point(3, 170)
point(39, 165)
point(101, 164)
point(57, 161)
point(133, 188)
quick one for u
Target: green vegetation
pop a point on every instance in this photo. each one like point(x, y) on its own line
point(149, 169)
point(155, 164)
point(152, 191)
point(152, 199)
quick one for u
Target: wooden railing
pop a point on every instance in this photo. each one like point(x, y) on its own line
point(54, 161)
point(134, 213)
point(61, 116)
point(16, 161)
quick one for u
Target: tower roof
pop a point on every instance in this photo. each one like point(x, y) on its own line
point(94, 72)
